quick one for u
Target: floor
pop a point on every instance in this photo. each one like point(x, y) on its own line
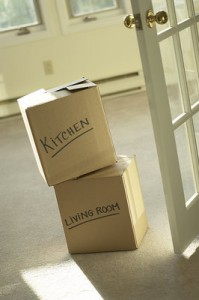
point(34, 262)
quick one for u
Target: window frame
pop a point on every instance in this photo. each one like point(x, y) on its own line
point(93, 21)
point(37, 32)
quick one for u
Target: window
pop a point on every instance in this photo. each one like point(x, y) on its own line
point(23, 21)
point(87, 7)
point(19, 14)
point(81, 15)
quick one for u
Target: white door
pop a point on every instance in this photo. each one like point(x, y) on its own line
point(170, 58)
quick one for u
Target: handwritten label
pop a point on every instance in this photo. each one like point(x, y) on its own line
point(54, 145)
point(90, 215)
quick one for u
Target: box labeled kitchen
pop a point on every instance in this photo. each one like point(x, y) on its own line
point(103, 211)
point(68, 130)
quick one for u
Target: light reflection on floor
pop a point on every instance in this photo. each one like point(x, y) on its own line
point(63, 281)
point(191, 249)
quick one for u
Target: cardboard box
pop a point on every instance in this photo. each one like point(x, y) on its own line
point(68, 130)
point(103, 211)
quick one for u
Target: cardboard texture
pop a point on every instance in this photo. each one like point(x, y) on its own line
point(68, 130)
point(104, 210)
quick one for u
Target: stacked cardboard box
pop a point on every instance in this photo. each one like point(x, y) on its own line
point(98, 194)
point(68, 130)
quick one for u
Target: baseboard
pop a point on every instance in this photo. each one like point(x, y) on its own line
point(121, 83)
point(109, 87)
point(9, 108)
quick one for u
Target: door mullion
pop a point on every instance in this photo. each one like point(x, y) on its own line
point(172, 13)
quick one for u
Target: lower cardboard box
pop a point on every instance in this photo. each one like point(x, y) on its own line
point(104, 210)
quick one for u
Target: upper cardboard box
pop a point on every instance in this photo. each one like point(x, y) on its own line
point(68, 130)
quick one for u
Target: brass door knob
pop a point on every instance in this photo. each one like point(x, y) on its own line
point(129, 21)
point(160, 17)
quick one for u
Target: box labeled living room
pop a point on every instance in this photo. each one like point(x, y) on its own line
point(104, 210)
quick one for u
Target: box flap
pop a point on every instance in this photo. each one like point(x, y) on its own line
point(42, 96)
point(76, 81)
point(84, 85)
point(117, 169)
point(78, 84)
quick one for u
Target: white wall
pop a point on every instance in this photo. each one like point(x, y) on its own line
point(95, 53)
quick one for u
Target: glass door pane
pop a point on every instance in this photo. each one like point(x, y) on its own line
point(196, 129)
point(172, 78)
point(185, 161)
point(196, 6)
point(181, 10)
point(190, 65)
